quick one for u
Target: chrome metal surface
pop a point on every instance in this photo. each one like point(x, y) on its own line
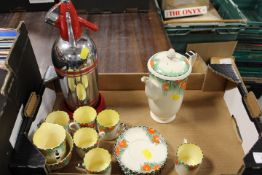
point(70, 30)
point(52, 15)
point(78, 76)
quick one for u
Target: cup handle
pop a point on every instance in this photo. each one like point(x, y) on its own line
point(73, 126)
point(101, 135)
point(80, 167)
point(122, 128)
point(185, 141)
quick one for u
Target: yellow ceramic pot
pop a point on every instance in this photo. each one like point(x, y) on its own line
point(96, 161)
point(50, 139)
point(65, 161)
point(85, 116)
point(189, 158)
point(58, 117)
point(85, 139)
point(108, 121)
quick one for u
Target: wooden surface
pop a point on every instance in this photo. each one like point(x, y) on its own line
point(124, 42)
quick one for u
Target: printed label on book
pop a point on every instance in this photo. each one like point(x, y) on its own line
point(192, 11)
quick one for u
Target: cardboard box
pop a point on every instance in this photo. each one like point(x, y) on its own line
point(205, 118)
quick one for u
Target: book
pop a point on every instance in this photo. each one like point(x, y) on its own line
point(7, 39)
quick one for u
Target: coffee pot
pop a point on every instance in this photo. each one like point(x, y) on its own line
point(74, 56)
point(168, 73)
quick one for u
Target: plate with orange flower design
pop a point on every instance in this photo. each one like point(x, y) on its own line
point(141, 150)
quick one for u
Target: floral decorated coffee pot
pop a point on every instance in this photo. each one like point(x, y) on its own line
point(168, 73)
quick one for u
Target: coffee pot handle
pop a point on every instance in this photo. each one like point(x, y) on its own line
point(191, 55)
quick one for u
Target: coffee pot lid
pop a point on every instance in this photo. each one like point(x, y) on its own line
point(169, 65)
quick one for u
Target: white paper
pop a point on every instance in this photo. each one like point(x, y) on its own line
point(246, 127)
point(225, 61)
point(192, 11)
point(16, 128)
point(50, 73)
point(48, 101)
point(40, 1)
point(257, 157)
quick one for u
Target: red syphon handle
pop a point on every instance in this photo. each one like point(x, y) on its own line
point(61, 22)
point(87, 24)
point(76, 21)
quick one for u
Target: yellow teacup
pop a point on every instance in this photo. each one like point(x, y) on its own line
point(50, 139)
point(96, 161)
point(85, 139)
point(108, 121)
point(58, 117)
point(189, 158)
point(85, 116)
point(65, 161)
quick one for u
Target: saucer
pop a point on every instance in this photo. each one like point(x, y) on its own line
point(141, 150)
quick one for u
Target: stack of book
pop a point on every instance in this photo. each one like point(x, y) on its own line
point(7, 39)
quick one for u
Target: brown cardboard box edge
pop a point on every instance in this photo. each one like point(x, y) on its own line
point(202, 78)
point(213, 81)
point(252, 105)
point(249, 98)
point(216, 49)
point(133, 81)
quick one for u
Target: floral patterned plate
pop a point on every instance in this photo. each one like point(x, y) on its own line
point(141, 150)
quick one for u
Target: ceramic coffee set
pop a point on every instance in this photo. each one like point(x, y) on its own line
point(138, 149)
point(53, 138)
